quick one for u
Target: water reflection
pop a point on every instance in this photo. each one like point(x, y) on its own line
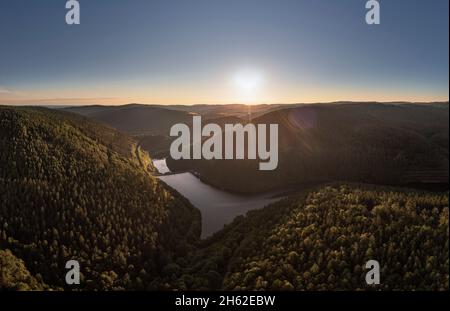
point(217, 207)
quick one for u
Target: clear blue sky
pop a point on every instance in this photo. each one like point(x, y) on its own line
point(188, 51)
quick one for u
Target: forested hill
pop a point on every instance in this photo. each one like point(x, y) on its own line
point(73, 189)
point(135, 119)
point(322, 238)
point(386, 144)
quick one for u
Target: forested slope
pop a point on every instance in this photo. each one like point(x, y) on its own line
point(73, 189)
point(14, 276)
point(377, 143)
point(322, 239)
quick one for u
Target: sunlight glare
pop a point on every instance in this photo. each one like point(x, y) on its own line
point(248, 80)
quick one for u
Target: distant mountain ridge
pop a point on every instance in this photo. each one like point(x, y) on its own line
point(394, 144)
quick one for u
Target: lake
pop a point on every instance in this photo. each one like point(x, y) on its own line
point(218, 207)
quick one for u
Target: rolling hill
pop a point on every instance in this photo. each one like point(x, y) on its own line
point(394, 144)
point(211, 112)
point(158, 145)
point(135, 119)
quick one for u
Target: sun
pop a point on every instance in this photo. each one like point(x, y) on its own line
point(248, 84)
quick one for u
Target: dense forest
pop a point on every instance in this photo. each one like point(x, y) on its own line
point(321, 239)
point(323, 242)
point(14, 276)
point(75, 189)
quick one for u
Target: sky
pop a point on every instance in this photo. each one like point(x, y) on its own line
point(222, 52)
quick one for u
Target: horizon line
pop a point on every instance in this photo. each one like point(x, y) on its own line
point(55, 105)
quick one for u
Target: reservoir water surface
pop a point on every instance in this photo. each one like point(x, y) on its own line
point(218, 207)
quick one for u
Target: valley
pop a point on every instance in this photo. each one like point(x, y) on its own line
point(75, 188)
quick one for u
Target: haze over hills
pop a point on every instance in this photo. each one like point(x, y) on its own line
point(212, 111)
point(245, 112)
point(139, 119)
